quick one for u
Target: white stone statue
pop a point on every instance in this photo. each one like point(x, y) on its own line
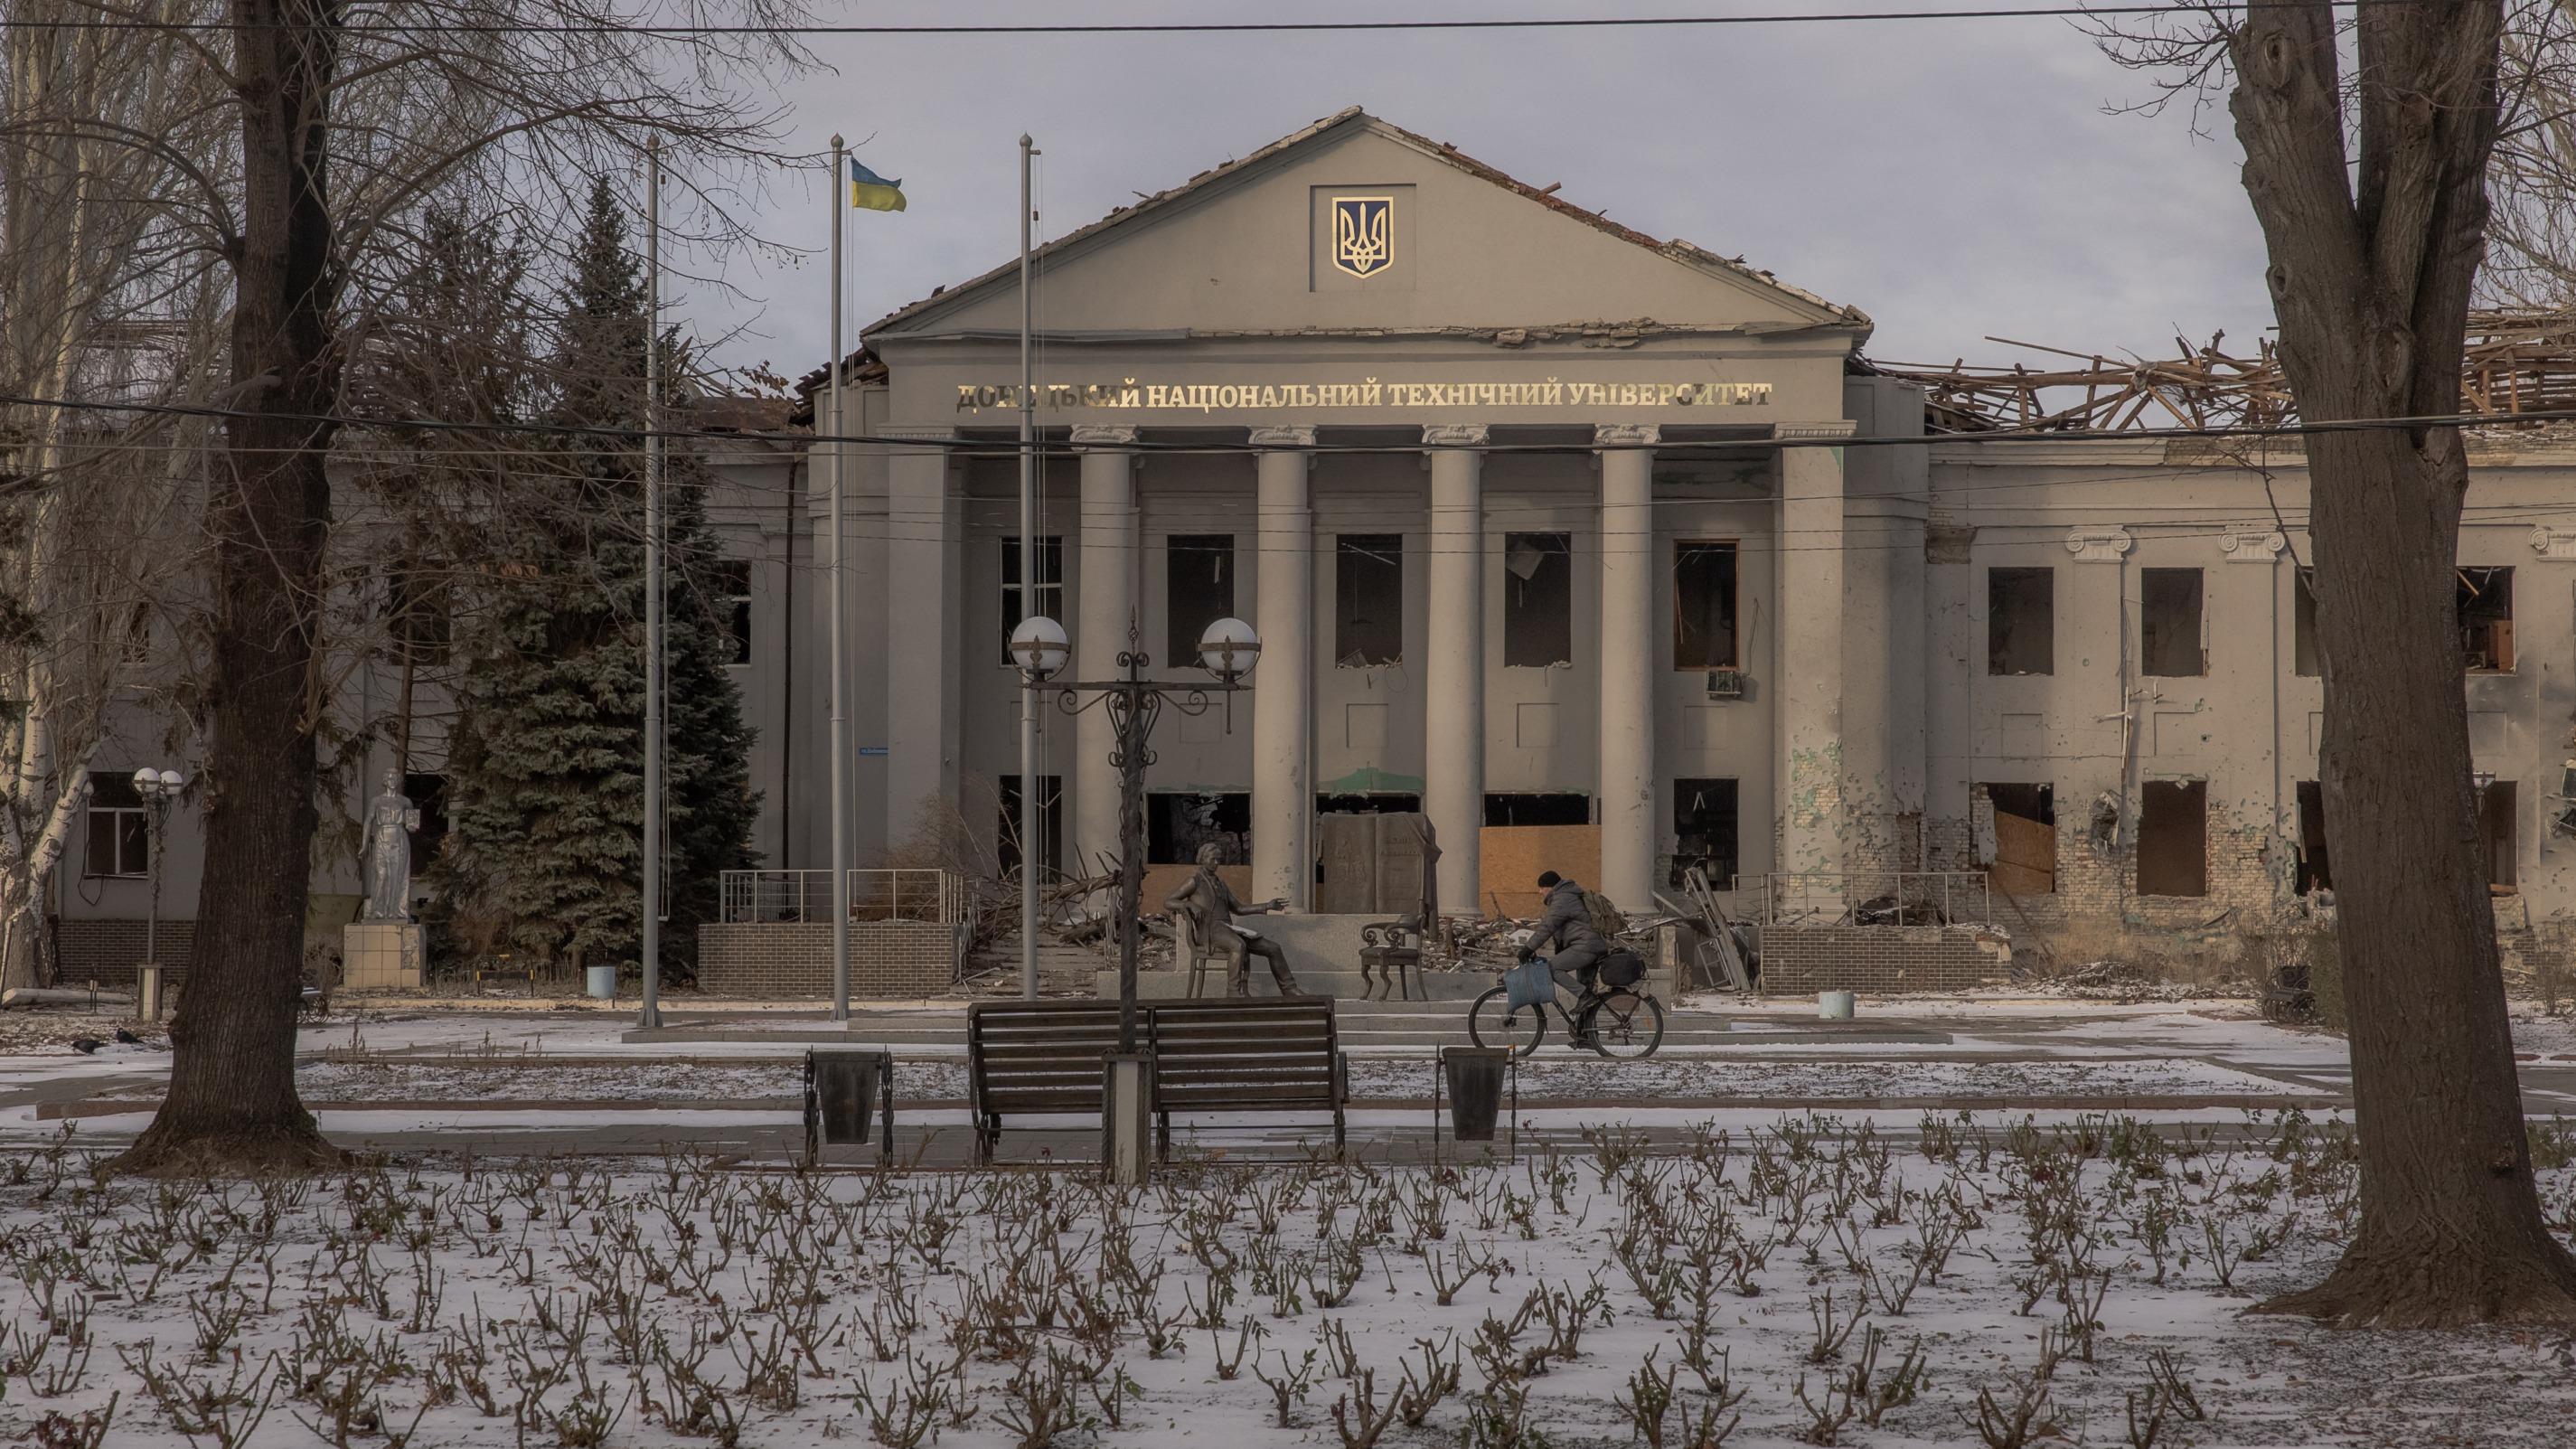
point(391, 819)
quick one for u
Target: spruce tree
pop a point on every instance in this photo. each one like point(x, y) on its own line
point(546, 766)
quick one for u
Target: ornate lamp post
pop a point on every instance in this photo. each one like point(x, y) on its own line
point(160, 790)
point(1228, 650)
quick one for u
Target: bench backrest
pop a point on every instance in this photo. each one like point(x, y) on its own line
point(1040, 1056)
point(1245, 1052)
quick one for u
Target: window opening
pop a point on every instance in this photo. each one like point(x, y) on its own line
point(418, 612)
point(1179, 822)
point(1368, 599)
point(1704, 604)
point(1198, 590)
point(2169, 637)
point(120, 831)
point(1046, 598)
point(1553, 808)
point(428, 795)
point(2486, 619)
point(1538, 599)
point(2021, 621)
point(2303, 625)
point(1050, 825)
point(1705, 832)
point(2316, 868)
point(729, 584)
point(2173, 838)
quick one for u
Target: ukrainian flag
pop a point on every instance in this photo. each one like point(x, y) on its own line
point(871, 192)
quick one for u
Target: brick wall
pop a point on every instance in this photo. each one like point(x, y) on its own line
point(788, 960)
point(1800, 959)
point(107, 949)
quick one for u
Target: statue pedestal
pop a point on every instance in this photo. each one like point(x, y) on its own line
point(380, 956)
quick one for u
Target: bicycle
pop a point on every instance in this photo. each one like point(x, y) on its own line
point(1624, 1023)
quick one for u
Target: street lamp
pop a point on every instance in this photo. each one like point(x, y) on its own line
point(160, 790)
point(1227, 651)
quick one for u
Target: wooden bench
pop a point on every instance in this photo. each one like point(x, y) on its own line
point(1263, 1054)
point(1247, 1054)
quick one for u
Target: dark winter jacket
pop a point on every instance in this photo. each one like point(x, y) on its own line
point(1568, 923)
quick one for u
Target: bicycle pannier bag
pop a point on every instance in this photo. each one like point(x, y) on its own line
point(1621, 969)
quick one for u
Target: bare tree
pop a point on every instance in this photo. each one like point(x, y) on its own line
point(344, 123)
point(2370, 182)
point(2531, 259)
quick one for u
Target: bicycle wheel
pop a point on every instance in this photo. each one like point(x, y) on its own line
point(1624, 1024)
point(1493, 1023)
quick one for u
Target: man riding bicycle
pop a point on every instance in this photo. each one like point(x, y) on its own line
point(1567, 928)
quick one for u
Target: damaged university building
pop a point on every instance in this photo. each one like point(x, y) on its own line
point(1593, 549)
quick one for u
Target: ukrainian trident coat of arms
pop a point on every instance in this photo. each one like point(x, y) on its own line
point(1363, 234)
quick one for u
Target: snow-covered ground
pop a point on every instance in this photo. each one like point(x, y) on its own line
point(1795, 1279)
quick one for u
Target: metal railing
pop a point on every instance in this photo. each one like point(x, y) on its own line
point(1876, 898)
point(776, 896)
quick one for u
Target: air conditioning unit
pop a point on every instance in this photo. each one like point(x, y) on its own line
point(1726, 684)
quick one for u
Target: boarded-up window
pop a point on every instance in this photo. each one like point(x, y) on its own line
point(2023, 855)
point(2303, 625)
point(1368, 599)
point(2316, 868)
point(2169, 623)
point(2021, 621)
point(2173, 838)
point(2486, 619)
point(1198, 590)
point(1704, 604)
point(1705, 832)
point(1538, 599)
point(2496, 819)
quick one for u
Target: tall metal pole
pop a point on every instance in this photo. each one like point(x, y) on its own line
point(651, 1015)
point(839, 741)
point(1030, 789)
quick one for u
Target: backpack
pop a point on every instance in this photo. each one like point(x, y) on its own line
point(1605, 915)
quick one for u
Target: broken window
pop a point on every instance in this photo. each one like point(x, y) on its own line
point(2316, 869)
point(2486, 619)
point(729, 588)
point(1050, 824)
point(2021, 621)
point(1558, 808)
point(1704, 604)
point(2496, 833)
point(1374, 802)
point(1704, 832)
point(1047, 598)
point(2303, 625)
point(2173, 838)
point(1198, 590)
point(1538, 599)
point(2169, 623)
point(2021, 855)
point(120, 832)
point(1368, 599)
point(1178, 822)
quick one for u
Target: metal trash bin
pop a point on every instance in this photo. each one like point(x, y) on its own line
point(845, 1088)
point(1474, 1076)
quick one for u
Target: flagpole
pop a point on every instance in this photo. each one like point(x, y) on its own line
point(1030, 788)
point(651, 1015)
point(839, 742)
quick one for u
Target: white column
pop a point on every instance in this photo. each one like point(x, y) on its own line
point(1283, 687)
point(1453, 665)
point(1627, 659)
point(924, 654)
point(1807, 732)
point(1107, 604)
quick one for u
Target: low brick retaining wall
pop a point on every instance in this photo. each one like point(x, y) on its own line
point(1799, 959)
point(897, 960)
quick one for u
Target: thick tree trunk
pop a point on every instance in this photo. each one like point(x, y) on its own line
point(2370, 275)
point(232, 1105)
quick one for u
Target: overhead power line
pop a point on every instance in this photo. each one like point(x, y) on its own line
point(377, 24)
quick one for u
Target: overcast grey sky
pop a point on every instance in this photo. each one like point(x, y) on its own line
point(1954, 179)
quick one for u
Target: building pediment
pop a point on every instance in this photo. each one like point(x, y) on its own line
point(1354, 227)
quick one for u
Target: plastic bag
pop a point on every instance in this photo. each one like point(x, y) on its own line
point(1529, 984)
